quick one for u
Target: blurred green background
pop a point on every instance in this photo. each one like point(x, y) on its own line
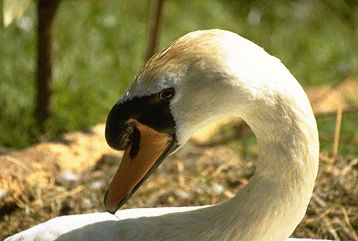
point(100, 46)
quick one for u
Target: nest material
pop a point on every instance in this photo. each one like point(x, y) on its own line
point(194, 176)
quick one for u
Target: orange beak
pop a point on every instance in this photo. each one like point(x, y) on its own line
point(140, 159)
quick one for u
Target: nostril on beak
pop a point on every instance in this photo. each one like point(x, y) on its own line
point(119, 128)
point(118, 136)
point(135, 142)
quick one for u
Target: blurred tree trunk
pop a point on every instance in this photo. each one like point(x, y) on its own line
point(46, 10)
point(154, 27)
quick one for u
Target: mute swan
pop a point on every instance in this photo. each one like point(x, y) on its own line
point(200, 78)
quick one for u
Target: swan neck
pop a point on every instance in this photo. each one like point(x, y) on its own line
point(276, 198)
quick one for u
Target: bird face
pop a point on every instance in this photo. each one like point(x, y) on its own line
point(177, 92)
point(145, 129)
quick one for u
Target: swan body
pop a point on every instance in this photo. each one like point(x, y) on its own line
point(209, 74)
point(95, 226)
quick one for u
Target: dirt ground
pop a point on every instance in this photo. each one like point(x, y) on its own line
point(35, 191)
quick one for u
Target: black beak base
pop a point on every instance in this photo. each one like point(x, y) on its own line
point(121, 130)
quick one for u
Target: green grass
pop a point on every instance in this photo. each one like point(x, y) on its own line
point(100, 46)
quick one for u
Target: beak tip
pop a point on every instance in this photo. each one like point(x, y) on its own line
point(111, 212)
point(107, 206)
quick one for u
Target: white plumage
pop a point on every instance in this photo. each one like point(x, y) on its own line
point(217, 73)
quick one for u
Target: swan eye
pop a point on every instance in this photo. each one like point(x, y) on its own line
point(166, 94)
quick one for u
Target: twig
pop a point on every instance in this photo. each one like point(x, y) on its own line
point(60, 195)
point(154, 27)
point(346, 219)
point(337, 132)
point(18, 163)
point(181, 178)
point(330, 229)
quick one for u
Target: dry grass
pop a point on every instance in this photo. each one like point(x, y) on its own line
point(194, 176)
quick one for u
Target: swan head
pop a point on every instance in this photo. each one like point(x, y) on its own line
point(181, 89)
point(169, 100)
point(178, 91)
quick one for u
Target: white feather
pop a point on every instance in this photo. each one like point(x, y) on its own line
point(217, 73)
